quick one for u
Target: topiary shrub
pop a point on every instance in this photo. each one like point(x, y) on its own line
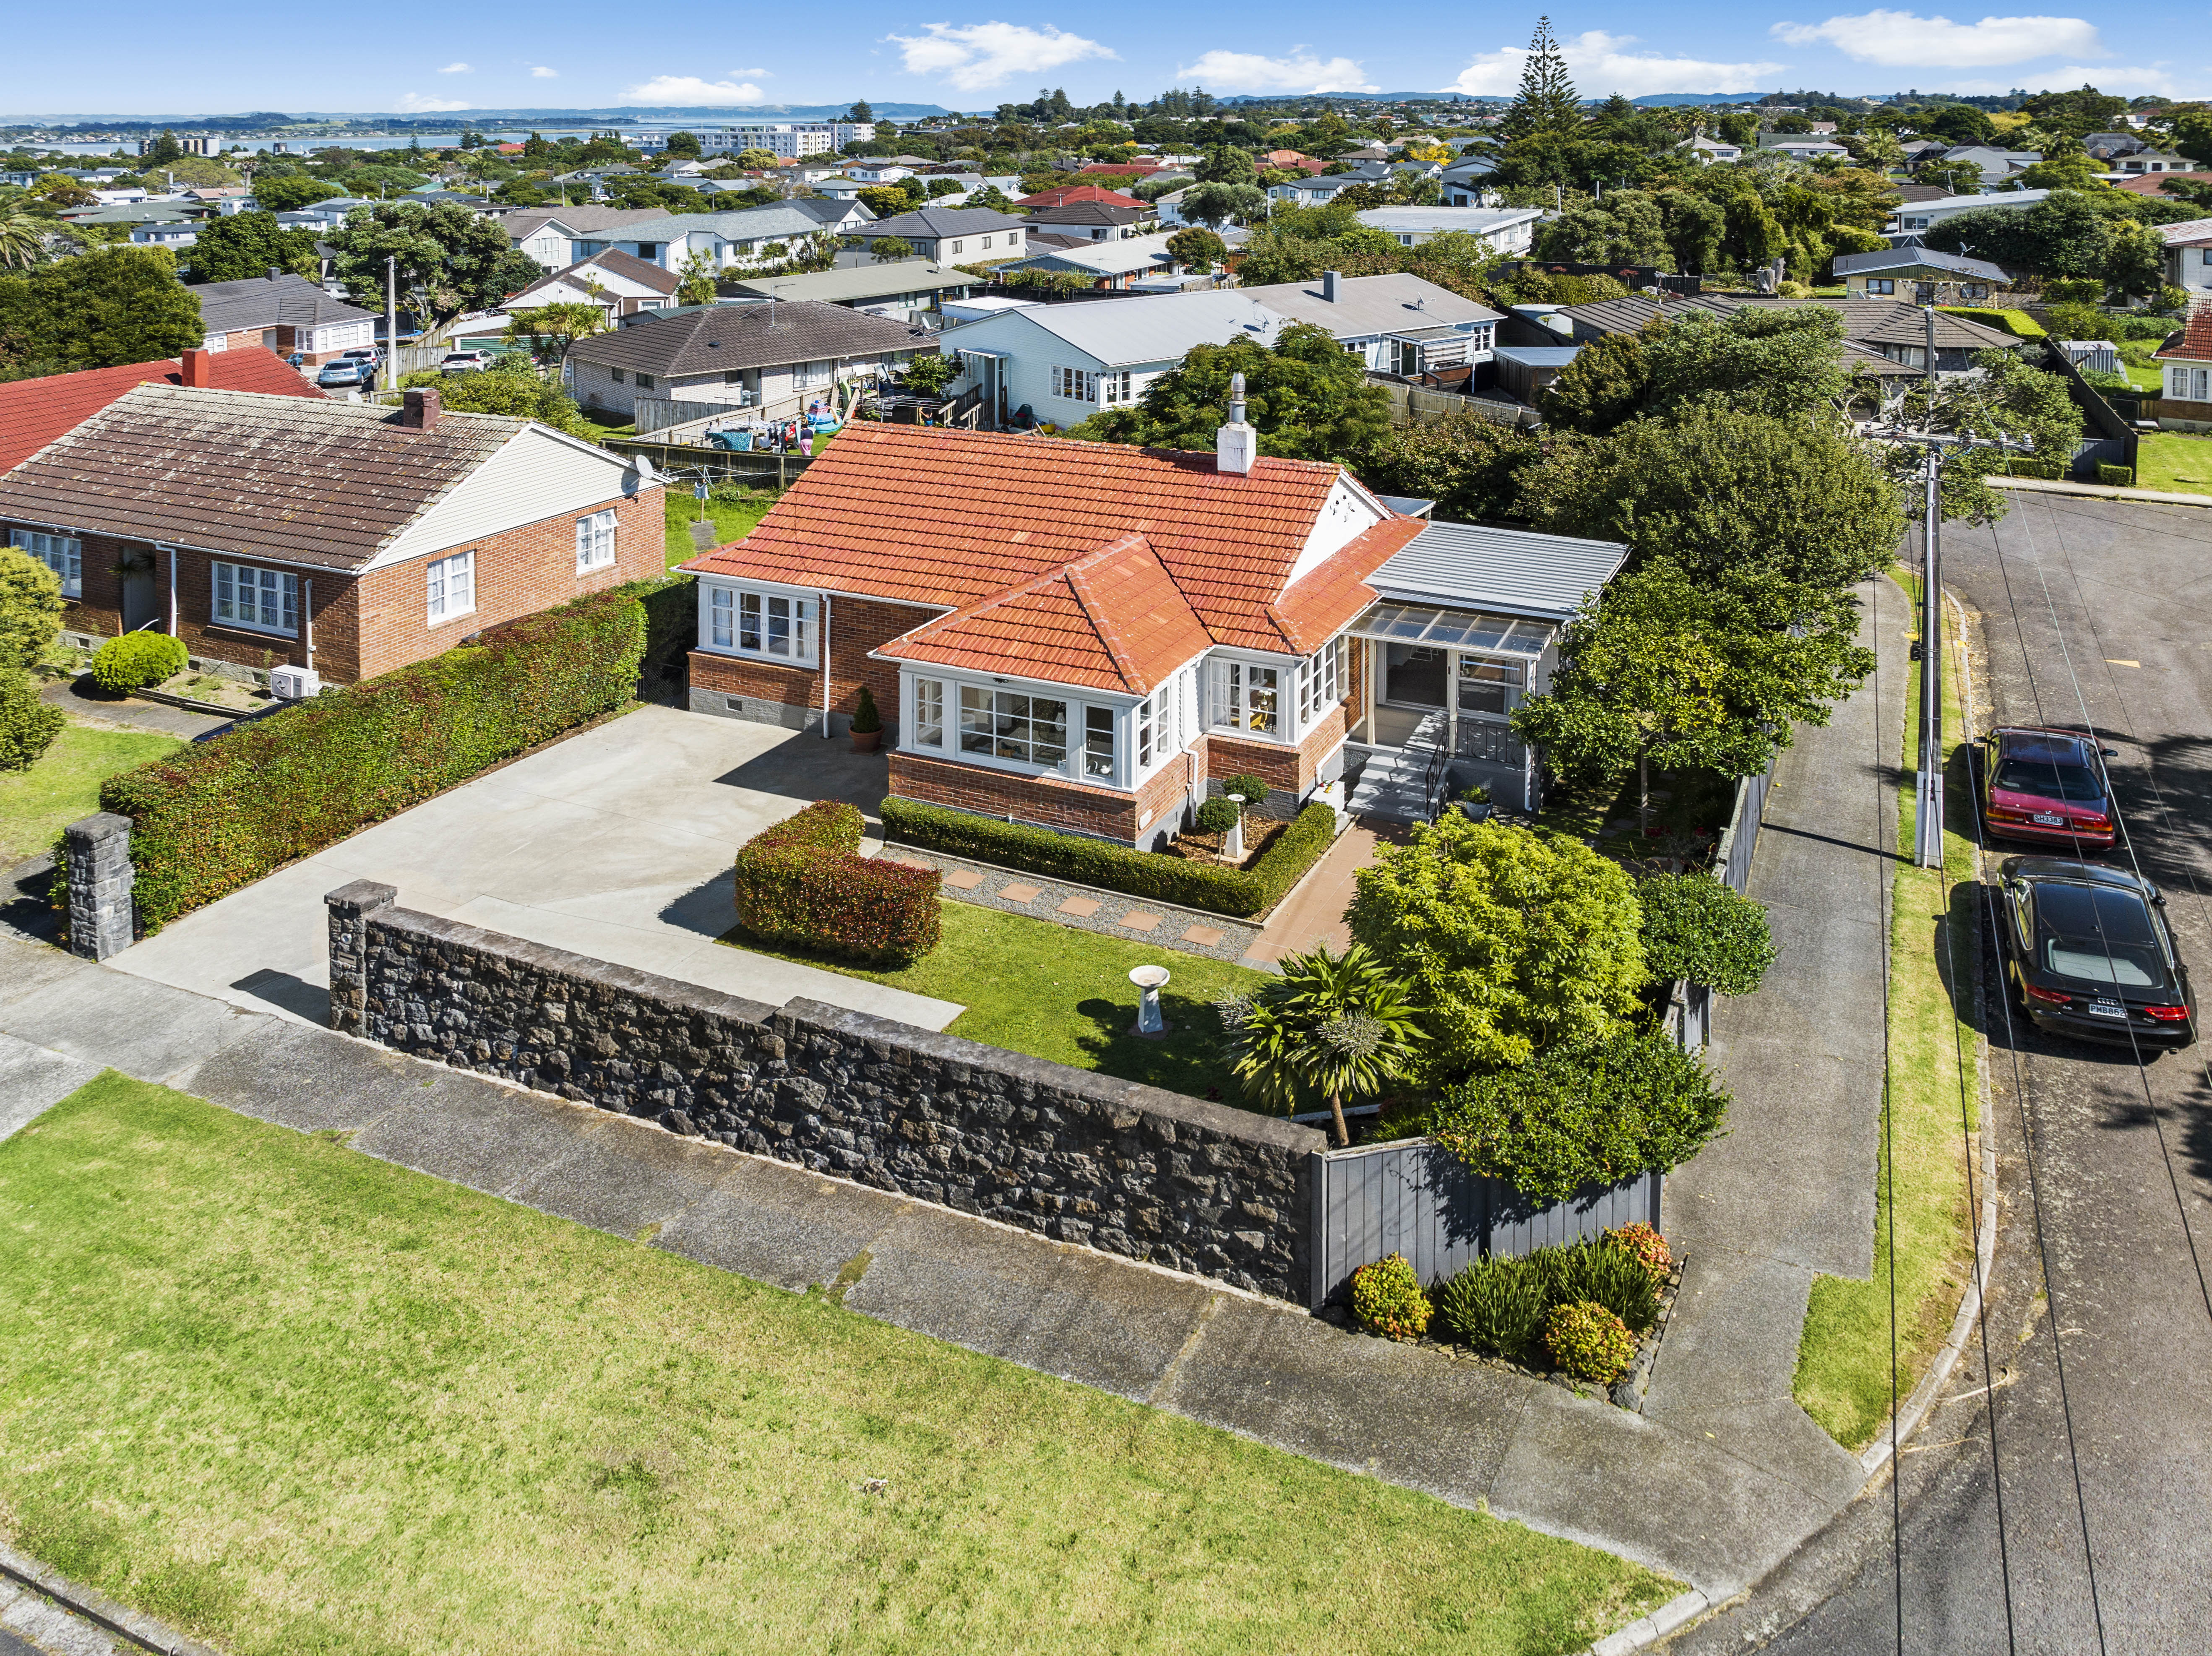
point(27, 726)
point(1596, 1113)
point(864, 716)
point(1217, 815)
point(1251, 788)
point(2117, 476)
point(1646, 1246)
point(1292, 851)
point(1588, 1343)
point(803, 882)
point(1497, 1307)
point(135, 660)
point(1702, 929)
point(1387, 1300)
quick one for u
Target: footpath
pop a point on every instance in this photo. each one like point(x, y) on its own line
point(1717, 1481)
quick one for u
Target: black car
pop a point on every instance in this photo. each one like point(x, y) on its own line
point(2088, 952)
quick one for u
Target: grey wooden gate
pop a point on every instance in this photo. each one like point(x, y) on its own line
point(1413, 1196)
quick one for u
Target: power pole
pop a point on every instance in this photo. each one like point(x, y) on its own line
point(391, 322)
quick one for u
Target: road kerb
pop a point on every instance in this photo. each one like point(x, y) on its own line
point(98, 1608)
point(1645, 1631)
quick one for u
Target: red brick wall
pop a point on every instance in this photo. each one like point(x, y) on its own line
point(1052, 802)
point(857, 625)
point(1294, 770)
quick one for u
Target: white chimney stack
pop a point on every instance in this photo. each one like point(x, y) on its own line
point(1236, 445)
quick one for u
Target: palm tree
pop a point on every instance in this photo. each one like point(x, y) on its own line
point(1333, 1026)
point(23, 240)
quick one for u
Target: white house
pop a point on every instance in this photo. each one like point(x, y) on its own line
point(1710, 150)
point(778, 138)
point(2186, 363)
point(2189, 255)
point(556, 237)
point(1113, 263)
point(615, 282)
point(1507, 229)
point(1398, 324)
point(1915, 217)
point(746, 236)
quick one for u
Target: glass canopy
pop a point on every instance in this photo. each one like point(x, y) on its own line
point(1439, 629)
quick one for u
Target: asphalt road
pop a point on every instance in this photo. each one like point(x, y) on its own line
point(2093, 613)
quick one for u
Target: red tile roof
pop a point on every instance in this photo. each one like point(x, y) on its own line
point(33, 412)
point(2147, 183)
point(1139, 169)
point(2194, 344)
point(1067, 194)
point(925, 516)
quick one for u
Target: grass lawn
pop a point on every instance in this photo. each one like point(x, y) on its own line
point(38, 804)
point(1842, 1378)
point(1055, 992)
point(297, 1400)
point(733, 521)
point(2175, 461)
point(607, 425)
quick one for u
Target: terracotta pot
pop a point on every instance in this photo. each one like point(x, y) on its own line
point(864, 741)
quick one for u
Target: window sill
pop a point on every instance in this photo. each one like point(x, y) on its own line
point(433, 622)
point(244, 630)
point(1016, 769)
point(757, 658)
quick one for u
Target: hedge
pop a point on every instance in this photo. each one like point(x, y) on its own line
point(2050, 471)
point(221, 814)
point(2019, 324)
point(2117, 476)
point(802, 882)
point(135, 660)
point(1237, 892)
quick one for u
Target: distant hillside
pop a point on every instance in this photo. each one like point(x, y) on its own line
point(629, 113)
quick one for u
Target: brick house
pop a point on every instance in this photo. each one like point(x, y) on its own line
point(33, 412)
point(350, 537)
point(283, 313)
point(762, 352)
point(2185, 363)
point(1088, 637)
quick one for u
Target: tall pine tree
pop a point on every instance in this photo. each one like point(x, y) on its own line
point(1546, 101)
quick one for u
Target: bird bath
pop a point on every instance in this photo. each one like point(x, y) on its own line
point(1152, 980)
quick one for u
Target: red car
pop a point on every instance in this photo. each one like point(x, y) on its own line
point(2048, 787)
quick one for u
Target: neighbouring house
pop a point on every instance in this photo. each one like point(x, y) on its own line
point(732, 240)
point(558, 237)
point(1506, 229)
point(1800, 149)
point(1467, 183)
point(2152, 162)
point(1398, 324)
point(615, 282)
point(758, 353)
point(283, 313)
point(1915, 218)
point(1067, 195)
point(1885, 338)
point(1094, 220)
point(349, 538)
point(948, 235)
point(1109, 264)
point(2153, 184)
point(2189, 254)
point(1997, 165)
point(1383, 175)
point(1167, 619)
point(911, 290)
point(1064, 362)
point(2186, 360)
point(886, 169)
point(1897, 272)
point(33, 412)
point(1523, 371)
point(1292, 161)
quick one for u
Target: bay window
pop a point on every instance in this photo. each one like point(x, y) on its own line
point(1320, 681)
point(1028, 729)
point(262, 600)
point(772, 624)
point(62, 553)
point(1248, 699)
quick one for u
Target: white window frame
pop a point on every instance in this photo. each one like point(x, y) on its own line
point(595, 540)
point(1073, 384)
point(745, 621)
point(62, 553)
point(449, 587)
point(1231, 700)
point(1320, 684)
point(926, 729)
point(1115, 389)
point(1013, 721)
point(226, 607)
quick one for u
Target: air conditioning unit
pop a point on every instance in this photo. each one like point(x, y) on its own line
point(294, 683)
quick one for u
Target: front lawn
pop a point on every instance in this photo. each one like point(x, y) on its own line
point(1055, 992)
point(2175, 461)
point(732, 519)
point(294, 1400)
point(38, 804)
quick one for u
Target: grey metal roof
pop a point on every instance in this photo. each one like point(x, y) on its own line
point(1538, 357)
point(1509, 571)
point(1908, 259)
point(1371, 305)
point(861, 283)
point(1155, 328)
point(929, 223)
point(288, 301)
point(801, 216)
point(749, 336)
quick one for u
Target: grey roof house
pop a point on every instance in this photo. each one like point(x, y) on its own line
point(770, 355)
point(1399, 324)
point(1094, 220)
point(1896, 272)
point(947, 234)
point(740, 237)
point(283, 313)
point(906, 290)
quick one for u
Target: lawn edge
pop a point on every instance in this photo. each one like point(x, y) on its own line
point(96, 1607)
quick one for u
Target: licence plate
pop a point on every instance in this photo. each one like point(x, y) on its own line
point(2105, 1009)
point(2050, 817)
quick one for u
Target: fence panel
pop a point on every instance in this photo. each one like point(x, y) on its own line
point(721, 466)
point(659, 413)
point(1732, 856)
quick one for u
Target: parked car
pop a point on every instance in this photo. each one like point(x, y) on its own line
point(2088, 952)
point(340, 371)
point(465, 361)
point(2047, 786)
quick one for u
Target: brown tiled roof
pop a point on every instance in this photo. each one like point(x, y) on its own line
point(33, 412)
point(614, 262)
point(2194, 344)
point(1063, 194)
point(323, 483)
point(927, 516)
point(754, 335)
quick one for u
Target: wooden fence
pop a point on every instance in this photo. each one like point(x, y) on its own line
point(1411, 404)
point(714, 465)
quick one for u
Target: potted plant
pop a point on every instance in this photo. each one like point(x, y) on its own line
point(867, 723)
point(1475, 803)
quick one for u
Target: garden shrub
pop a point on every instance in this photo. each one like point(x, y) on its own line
point(1069, 857)
point(1217, 815)
point(804, 882)
point(2019, 324)
point(2117, 476)
point(1588, 1343)
point(1251, 788)
point(135, 660)
point(31, 605)
point(1648, 1247)
point(1387, 1300)
point(221, 814)
point(1593, 1113)
point(2050, 470)
point(1702, 929)
point(1294, 851)
point(866, 716)
point(1600, 1274)
point(1497, 1306)
point(27, 726)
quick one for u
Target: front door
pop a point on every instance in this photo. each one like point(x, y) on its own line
point(142, 592)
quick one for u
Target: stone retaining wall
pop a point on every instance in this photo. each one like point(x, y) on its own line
point(1110, 1164)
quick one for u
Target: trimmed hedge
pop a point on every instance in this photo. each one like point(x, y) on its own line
point(2019, 324)
point(135, 660)
point(1236, 892)
point(801, 881)
point(221, 814)
point(2117, 476)
point(2049, 470)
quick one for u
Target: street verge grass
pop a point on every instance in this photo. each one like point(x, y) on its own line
point(2174, 461)
point(1842, 1378)
point(295, 1399)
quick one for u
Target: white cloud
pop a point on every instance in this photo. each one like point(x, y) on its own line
point(1601, 68)
point(414, 103)
point(456, 68)
point(691, 89)
point(1904, 40)
point(2153, 79)
point(542, 73)
point(978, 55)
point(1248, 71)
point(748, 74)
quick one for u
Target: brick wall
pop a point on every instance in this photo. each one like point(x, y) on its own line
point(1292, 772)
point(788, 695)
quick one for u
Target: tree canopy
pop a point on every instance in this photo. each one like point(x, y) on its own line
point(289, 192)
point(510, 387)
point(248, 245)
point(449, 260)
point(106, 306)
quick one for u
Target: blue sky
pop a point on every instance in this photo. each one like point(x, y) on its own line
point(412, 56)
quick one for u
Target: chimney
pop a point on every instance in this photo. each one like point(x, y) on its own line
point(1329, 281)
point(1236, 445)
point(198, 371)
point(419, 411)
point(276, 274)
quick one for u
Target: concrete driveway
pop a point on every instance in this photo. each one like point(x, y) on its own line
point(614, 844)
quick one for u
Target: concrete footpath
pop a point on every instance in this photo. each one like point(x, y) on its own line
point(1718, 1482)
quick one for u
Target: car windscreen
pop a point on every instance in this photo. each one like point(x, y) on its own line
point(2047, 777)
point(2095, 935)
